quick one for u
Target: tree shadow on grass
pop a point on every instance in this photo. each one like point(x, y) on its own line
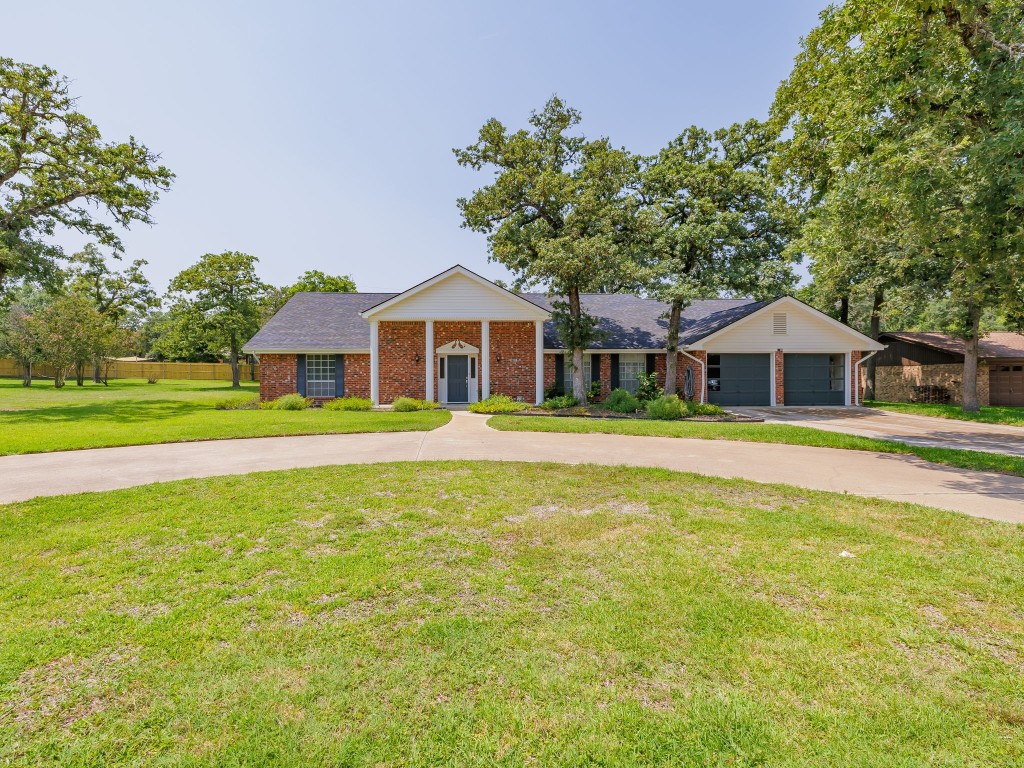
point(110, 411)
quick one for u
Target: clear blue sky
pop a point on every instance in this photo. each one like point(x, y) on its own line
point(318, 134)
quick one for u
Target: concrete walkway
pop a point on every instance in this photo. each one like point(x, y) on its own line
point(926, 431)
point(902, 478)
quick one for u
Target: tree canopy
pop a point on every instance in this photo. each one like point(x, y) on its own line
point(220, 298)
point(57, 171)
point(914, 108)
point(556, 214)
point(716, 221)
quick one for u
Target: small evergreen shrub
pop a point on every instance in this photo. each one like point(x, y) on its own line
point(666, 408)
point(497, 404)
point(292, 402)
point(594, 395)
point(406, 404)
point(707, 409)
point(560, 402)
point(238, 403)
point(647, 387)
point(622, 401)
point(349, 404)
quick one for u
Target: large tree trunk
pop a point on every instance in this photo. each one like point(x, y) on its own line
point(579, 386)
point(79, 374)
point(26, 374)
point(970, 385)
point(874, 332)
point(844, 309)
point(96, 373)
point(234, 362)
point(672, 345)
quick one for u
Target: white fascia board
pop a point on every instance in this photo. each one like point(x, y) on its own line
point(458, 269)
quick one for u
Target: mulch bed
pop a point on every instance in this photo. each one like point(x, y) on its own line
point(591, 412)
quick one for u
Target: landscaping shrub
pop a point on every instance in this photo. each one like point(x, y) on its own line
point(647, 387)
point(405, 404)
point(594, 395)
point(557, 403)
point(497, 404)
point(622, 401)
point(292, 402)
point(349, 404)
point(666, 408)
point(238, 403)
point(699, 409)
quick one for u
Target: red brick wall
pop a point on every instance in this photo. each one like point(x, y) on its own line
point(400, 375)
point(357, 375)
point(855, 393)
point(780, 377)
point(515, 373)
point(278, 376)
point(685, 362)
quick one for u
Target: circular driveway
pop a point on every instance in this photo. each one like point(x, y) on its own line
point(467, 437)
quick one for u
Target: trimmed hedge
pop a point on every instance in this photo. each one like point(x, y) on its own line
point(349, 404)
point(405, 404)
point(498, 404)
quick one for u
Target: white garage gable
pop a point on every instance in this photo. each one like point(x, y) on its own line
point(456, 294)
point(789, 325)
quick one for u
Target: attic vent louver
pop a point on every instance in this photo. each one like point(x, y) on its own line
point(779, 324)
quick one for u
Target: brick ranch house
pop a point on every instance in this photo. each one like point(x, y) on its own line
point(929, 366)
point(458, 338)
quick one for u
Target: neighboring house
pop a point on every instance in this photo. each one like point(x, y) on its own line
point(458, 338)
point(929, 367)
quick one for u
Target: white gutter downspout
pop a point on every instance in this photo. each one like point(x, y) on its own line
point(703, 373)
point(856, 378)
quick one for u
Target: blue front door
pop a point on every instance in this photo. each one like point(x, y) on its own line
point(458, 378)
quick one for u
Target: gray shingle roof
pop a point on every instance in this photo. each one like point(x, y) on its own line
point(312, 322)
point(629, 322)
point(327, 322)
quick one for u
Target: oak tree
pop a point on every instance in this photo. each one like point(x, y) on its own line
point(56, 171)
point(556, 214)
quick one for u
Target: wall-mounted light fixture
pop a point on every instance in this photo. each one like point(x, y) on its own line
point(497, 357)
point(416, 358)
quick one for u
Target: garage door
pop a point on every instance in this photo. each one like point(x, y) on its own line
point(1006, 385)
point(815, 379)
point(740, 379)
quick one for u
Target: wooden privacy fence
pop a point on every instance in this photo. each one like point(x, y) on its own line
point(123, 369)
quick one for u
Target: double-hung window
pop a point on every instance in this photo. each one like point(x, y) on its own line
point(321, 371)
point(631, 367)
point(567, 371)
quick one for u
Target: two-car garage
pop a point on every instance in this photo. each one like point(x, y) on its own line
point(748, 379)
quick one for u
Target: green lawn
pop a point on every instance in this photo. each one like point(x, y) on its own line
point(505, 614)
point(989, 414)
point(760, 433)
point(132, 412)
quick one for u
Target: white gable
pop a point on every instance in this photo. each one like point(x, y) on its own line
point(789, 325)
point(457, 294)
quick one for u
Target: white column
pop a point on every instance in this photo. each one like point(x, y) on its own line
point(485, 358)
point(539, 336)
point(374, 364)
point(429, 357)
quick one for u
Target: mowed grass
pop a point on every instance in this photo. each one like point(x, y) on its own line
point(132, 412)
point(761, 433)
point(989, 414)
point(505, 614)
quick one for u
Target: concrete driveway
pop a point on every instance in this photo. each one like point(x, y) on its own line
point(926, 431)
point(467, 436)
